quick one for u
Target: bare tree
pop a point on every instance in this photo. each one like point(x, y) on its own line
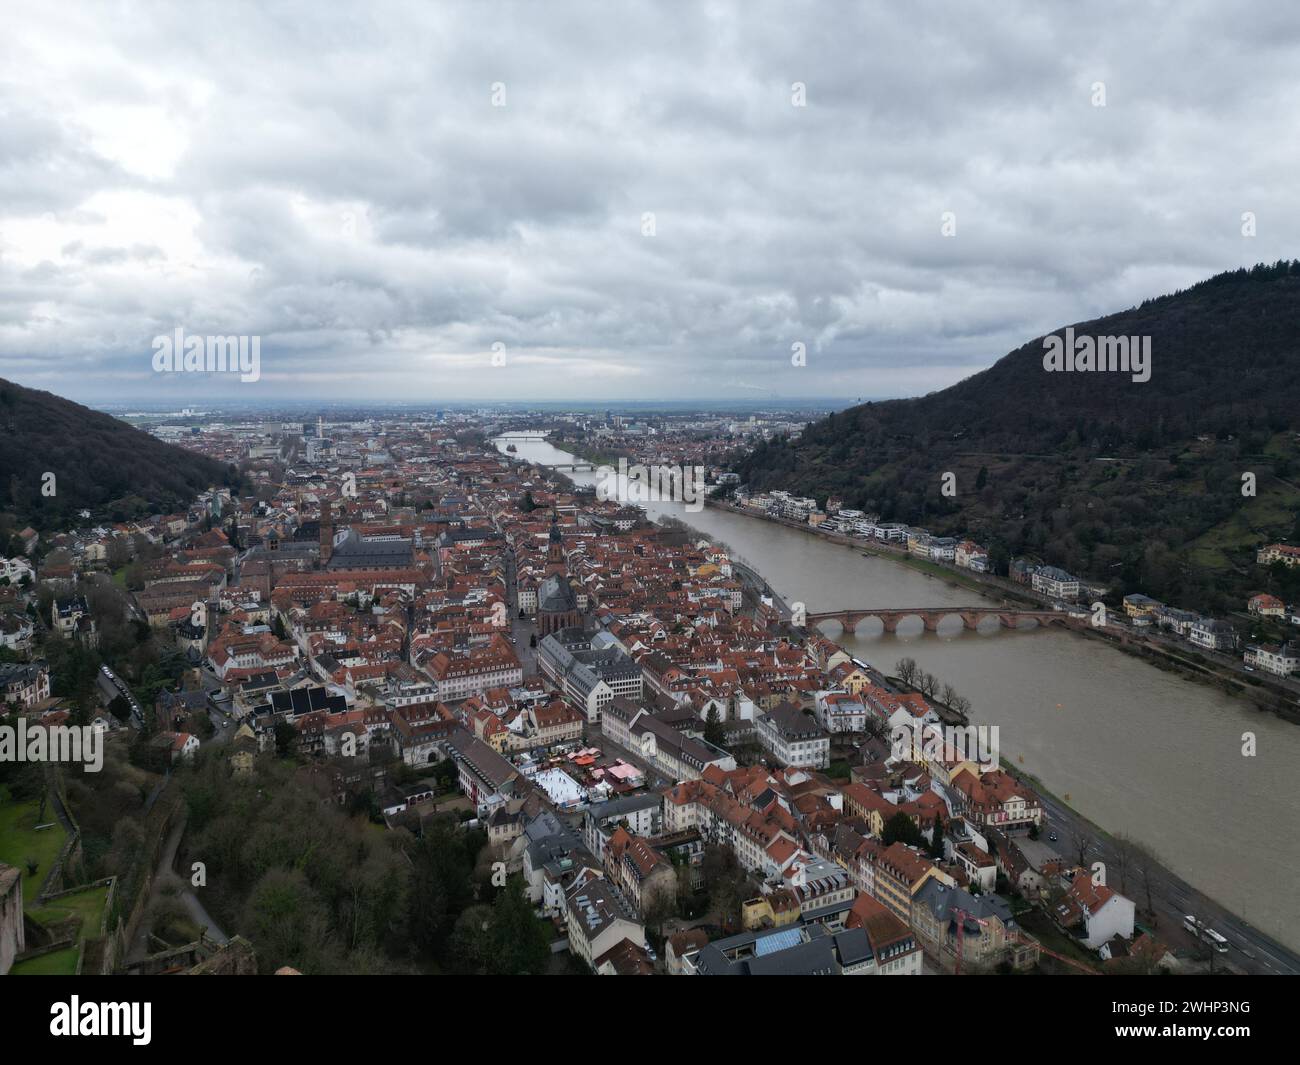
point(1146, 865)
point(1080, 840)
point(1123, 861)
point(905, 668)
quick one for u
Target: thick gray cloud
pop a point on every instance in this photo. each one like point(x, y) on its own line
point(340, 183)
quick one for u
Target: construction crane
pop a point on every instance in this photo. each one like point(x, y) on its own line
point(962, 917)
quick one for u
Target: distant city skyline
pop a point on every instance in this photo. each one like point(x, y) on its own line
point(619, 203)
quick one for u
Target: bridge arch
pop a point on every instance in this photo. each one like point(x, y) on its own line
point(932, 617)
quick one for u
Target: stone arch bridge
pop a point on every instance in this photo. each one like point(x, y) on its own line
point(971, 616)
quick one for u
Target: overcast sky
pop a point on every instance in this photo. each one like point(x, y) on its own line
point(344, 186)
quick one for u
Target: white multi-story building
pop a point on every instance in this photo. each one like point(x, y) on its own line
point(1280, 659)
point(1213, 635)
point(793, 738)
point(839, 711)
point(15, 569)
point(23, 684)
point(1055, 582)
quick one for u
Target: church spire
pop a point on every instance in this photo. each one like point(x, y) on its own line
point(555, 548)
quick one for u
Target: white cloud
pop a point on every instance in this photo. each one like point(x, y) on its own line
point(339, 183)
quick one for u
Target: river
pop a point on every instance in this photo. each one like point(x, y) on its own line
point(1137, 750)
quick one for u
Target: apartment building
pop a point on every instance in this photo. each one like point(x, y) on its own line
point(458, 676)
point(1282, 660)
point(1212, 635)
point(994, 800)
point(590, 678)
point(598, 920)
point(1048, 580)
point(793, 738)
point(945, 916)
point(641, 815)
point(840, 712)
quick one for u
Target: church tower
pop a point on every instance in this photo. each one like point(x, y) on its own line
point(557, 602)
point(555, 549)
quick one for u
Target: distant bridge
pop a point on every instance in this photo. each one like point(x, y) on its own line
point(971, 616)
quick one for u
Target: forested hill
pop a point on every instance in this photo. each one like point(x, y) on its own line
point(99, 464)
point(1134, 482)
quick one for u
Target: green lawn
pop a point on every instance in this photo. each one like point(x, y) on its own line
point(56, 963)
point(20, 841)
point(86, 905)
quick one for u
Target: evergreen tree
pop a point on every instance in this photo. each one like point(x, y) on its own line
point(518, 940)
point(902, 829)
point(713, 732)
point(936, 838)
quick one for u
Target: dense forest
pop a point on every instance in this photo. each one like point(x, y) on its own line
point(326, 889)
point(1141, 484)
point(99, 463)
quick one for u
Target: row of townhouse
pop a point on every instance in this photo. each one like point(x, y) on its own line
point(967, 554)
point(1210, 634)
point(929, 901)
point(526, 727)
point(994, 800)
point(762, 842)
point(858, 940)
point(646, 879)
point(460, 675)
point(1287, 554)
point(235, 653)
